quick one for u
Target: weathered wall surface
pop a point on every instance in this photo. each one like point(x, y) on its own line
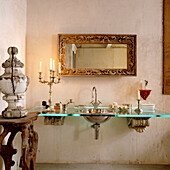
point(74, 142)
point(12, 33)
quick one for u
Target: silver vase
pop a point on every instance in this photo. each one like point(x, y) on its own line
point(13, 83)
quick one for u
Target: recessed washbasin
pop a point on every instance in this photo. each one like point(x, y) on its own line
point(96, 119)
point(96, 111)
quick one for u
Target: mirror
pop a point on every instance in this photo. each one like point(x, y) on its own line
point(97, 55)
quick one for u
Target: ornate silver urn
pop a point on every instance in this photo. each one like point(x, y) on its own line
point(13, 83)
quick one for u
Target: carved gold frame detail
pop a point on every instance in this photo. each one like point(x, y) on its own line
point(130, 40)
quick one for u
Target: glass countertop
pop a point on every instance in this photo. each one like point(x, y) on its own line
point(79, 111)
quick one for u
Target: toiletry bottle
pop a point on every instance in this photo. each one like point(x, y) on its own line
point(71, 104)
point(57, 107)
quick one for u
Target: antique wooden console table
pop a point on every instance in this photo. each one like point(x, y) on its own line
point(28, 145)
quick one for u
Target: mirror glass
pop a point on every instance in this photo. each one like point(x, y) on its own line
point(96, 56)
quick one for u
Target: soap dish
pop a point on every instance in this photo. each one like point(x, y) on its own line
point(148, 107)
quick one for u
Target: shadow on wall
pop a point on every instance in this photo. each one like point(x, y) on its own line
point(166, 145)
point(155, 151)
point(114, 128)
point(80, 126)
point(117, 128)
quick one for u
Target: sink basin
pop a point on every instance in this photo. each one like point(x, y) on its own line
point(97, 119)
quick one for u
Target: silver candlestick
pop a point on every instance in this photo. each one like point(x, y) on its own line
point(138, 110)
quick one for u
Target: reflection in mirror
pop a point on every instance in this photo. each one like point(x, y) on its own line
point(96, 56)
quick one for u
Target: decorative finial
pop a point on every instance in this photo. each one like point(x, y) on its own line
point(13, 83)
point(146, 83)
point(12, 50)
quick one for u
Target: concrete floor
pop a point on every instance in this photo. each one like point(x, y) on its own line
point(100, 167)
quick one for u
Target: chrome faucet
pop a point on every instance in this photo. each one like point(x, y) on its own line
point(94, 101)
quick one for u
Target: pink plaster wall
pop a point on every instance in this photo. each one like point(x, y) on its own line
point(74, 142)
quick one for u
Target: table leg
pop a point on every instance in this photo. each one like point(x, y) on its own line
point(29, 147)
point(7, 151)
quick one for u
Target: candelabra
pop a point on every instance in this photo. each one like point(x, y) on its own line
point(50, 83)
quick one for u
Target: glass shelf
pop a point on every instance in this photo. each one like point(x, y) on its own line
point(76, 112)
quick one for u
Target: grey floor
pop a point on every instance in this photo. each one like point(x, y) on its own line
point(100, 167)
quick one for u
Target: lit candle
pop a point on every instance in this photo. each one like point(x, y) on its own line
point(40, 66)
point(50, 63)
point(59, 67)
point(138, 94)
point(53, 65)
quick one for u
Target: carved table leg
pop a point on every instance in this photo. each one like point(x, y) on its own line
point(29, 147)
point(7, 151)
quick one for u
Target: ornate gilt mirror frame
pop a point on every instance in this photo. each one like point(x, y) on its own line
point(130, 40)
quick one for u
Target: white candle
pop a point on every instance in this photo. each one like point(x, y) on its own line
point(50, 63)
point(53, 65)
point(40, 66)
point(59, 67)
point(138, 94)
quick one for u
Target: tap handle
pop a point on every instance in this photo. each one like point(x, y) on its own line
point(99, 102)
point(92, 102)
